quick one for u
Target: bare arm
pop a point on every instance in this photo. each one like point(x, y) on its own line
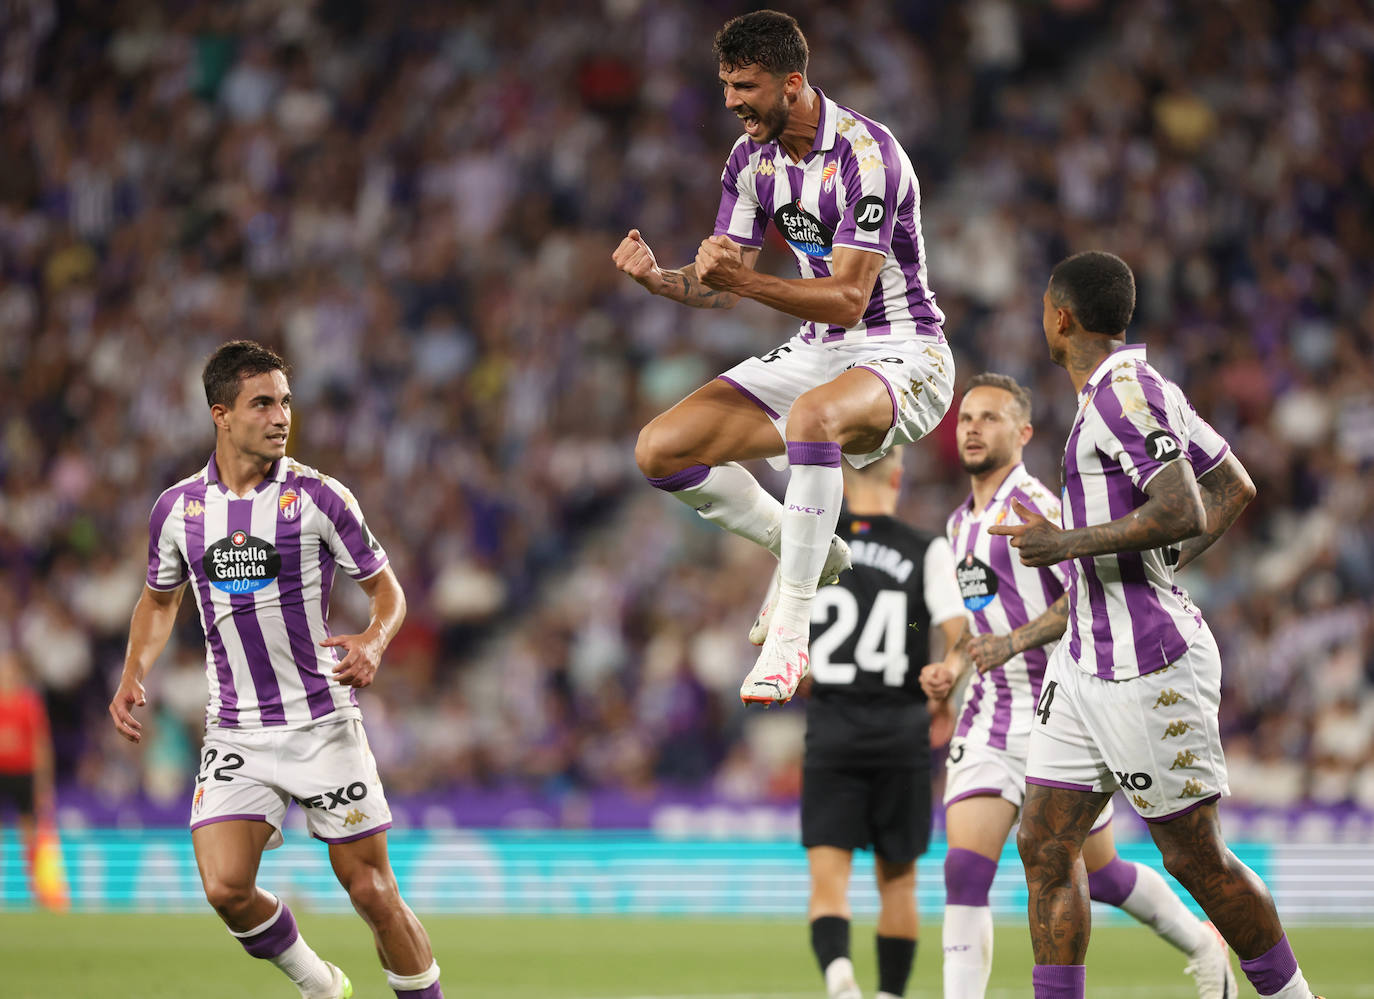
point(1173, 513)
point(634, 257)
point(1226, 490)
point(938, 679)
point(838, 300)
point(990, 651)
point(363, 652)
point(151, 626)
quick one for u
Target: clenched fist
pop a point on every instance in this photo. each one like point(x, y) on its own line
point(634, 257)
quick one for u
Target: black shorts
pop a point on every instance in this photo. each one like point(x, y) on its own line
point(853, 808)
point(16, 794)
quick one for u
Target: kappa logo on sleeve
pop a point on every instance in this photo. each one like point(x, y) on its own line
point(1161, 446)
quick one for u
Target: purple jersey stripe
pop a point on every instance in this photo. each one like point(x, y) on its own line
point(1097, 596)
point(1077, 512)
point(224, 675)
point(332, 505)
point(1108, 406)
point(270, 706)
point(1015, 609)
point(1152, 629)
point(292, 599)
point(156, 522)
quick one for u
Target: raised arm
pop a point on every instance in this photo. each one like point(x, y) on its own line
point(1172, 513)
point(634, 257)
point(151, 626)
point(837, 300)
point(1226, 490)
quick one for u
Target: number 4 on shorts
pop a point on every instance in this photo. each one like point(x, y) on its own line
point(1046, 698)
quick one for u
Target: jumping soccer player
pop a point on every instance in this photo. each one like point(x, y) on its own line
point(869, 367)
point(258, 536)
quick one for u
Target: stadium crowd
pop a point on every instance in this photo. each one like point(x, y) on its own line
point(417, 204)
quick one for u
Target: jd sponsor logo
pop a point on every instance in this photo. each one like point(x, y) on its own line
point(241, 563)
point(1161, 446)
point(356, 791)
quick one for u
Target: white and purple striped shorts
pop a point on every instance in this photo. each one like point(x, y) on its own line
point(1154, 736)
point(327, 769)
point(918, 373)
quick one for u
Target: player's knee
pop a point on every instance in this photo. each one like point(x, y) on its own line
point(228, 897)
point(373, 892)
point(813, 417)
point(657, 451)
point(1040, 852)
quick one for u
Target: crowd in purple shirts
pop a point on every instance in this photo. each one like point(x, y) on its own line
point(417, 204)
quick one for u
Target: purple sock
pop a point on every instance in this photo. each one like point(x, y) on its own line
point(429, 992)
point(825, 453)
point(1273, 969)
point(685, 479)
point(968, 876)
point(1112, 883)
point(278, 936)
point(1059, 981)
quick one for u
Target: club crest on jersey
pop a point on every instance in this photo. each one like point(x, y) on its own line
point(828, 177)
point(290, 504)
point(241, 563)
point(977, 582)
point(803, 231)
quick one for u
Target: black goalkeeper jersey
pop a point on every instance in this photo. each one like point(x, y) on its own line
point(870, 638)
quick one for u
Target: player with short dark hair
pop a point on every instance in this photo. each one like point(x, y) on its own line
point(866, 772)
point(258, 536)
point(1131, 694)
point(986, 776)
point(869, 367)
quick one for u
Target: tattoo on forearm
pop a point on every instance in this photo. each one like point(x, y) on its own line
point(683, 286)
point(1044, 629)
point(1166, 518)
point(1224, 495)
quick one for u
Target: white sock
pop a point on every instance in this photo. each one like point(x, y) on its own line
point(811, 509)
point(1156, 905)
point(732, 498)
point(414, 983)
point(1297, 988)
point(967, 941)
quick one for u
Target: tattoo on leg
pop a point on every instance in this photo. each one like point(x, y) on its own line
point(1054, 823)
point(1231, 894)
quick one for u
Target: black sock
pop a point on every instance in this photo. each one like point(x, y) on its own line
point(895, 958)
point(829, 939)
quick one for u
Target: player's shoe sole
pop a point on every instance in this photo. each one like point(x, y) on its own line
point(781, 665)
point(837, 560)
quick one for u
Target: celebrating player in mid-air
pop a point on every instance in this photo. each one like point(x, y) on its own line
point(869, 367)
point(258, 537)
point(866, 773)
point(1131, 695)
point(987, 756)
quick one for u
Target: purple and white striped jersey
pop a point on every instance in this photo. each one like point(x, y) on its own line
point(855, 188)
point(1002, 594)
point(1126, 616)
point(262, 568)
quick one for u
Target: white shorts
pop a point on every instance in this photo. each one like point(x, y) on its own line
point(977, 770)
point(327, 769)
point(918, 373)
point(1155, 737)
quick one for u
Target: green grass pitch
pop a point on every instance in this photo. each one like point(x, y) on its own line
point(152, 956)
